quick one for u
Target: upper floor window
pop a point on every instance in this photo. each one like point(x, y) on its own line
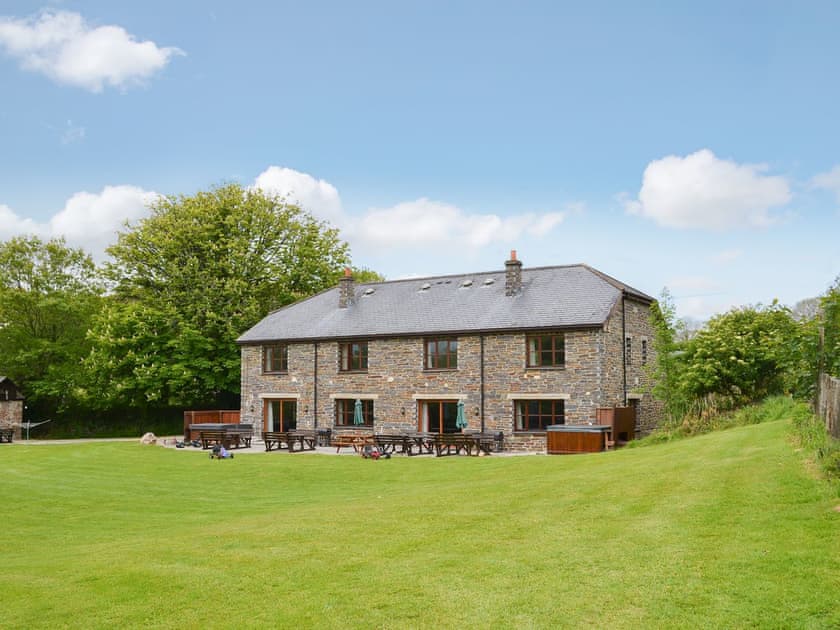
point(354, 356)
point(441, 354)
point(345, 413)
point(536, 415)
point(628, 349)
point(546, 350)
point(644, 351)
point(276, 358)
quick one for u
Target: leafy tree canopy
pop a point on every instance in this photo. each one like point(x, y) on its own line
point(48, 295)
point(192, 277)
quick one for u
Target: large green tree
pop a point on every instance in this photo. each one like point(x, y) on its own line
point(742, 355)
point(192, 277)
point(49, 293)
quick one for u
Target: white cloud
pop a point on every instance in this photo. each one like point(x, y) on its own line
point(62, 46)
point(88, 220)
point(419, 222)
point(427, 222)
point(828, 181)
point(313, 195)
point(703, 191)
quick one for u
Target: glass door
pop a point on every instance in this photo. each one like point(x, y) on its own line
point(280, 415)
point(438, 416)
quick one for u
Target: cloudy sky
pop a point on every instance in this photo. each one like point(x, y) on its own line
point(688, 145)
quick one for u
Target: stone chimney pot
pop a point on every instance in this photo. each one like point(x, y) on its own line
point(346, 289)
point(513, 274)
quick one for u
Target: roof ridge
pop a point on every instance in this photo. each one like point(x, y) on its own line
point(469, 273)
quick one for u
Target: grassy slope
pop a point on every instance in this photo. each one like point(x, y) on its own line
point(724, 530)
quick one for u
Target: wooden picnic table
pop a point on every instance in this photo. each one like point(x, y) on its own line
point(466, 443)
point(354, 439)
point(305, 440)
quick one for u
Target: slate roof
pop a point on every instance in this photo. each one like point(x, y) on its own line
point(573, 296)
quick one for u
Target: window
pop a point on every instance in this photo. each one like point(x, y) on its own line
point(628, 350)
point(276, 358)
point(280, 415)
point(644, 351)
point(354, 356)
point(546, 350)
point(441, 354)
point(438, 416)
point(345, 409)
point(536, 415)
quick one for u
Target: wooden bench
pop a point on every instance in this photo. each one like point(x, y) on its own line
point(467, 443)
point(228, 440)
point(355, 439)
point(244, 434)
point(388, 443)
point(303, 438)
point(7, 435)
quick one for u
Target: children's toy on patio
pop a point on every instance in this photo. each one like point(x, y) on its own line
point(369, 451)
point(220, 452)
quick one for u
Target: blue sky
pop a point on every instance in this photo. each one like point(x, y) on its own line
point(687, 145)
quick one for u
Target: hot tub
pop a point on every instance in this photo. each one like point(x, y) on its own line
point(576, 438)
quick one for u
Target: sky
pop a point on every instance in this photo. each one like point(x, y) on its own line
point(692, 146)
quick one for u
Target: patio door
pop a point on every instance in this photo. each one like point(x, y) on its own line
point(280, 415)
point(438, 416)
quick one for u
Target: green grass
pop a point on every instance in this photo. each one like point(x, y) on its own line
point(727, 530)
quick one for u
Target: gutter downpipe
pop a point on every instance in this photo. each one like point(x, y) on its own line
point(315, 385)
point(481, 380)
point(624, 344)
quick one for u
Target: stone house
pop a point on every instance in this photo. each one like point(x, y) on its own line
point(520, 348)
point(11, 406)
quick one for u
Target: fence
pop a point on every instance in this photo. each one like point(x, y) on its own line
point(828, 405)
point(217, 416)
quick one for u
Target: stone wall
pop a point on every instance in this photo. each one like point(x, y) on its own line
point(397, 383)
point(637, 328)
point(11, 415)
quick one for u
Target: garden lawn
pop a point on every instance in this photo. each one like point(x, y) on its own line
point(724, 530)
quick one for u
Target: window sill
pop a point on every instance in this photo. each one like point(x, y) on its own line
point(533, 432)
point(353, 371)
point(540, 368)
point(285, 373)
point(434, 370)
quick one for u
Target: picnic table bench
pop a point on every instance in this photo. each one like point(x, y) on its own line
point(389, 442)
point(347, 438)
point(467, 443)
point(210, 438)
point(7, 435)
point(303, 438)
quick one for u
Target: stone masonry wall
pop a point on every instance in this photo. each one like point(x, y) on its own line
point(397, 382)
point(11, 415)
point(637, 328)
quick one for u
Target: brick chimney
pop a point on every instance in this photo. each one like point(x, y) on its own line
point(346, 289)
point(513, 274)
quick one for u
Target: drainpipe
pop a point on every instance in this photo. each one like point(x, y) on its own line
point(315, 385)
point(624, 345)
point(481, 380)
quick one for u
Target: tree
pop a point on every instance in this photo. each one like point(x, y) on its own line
point(830, 321)
point(666, 370)
point(742, 355)
point(48, 296)
point(192, 277)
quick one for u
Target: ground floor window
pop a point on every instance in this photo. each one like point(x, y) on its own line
point(345, 413)
point(280, 415)
point(438, 416)
point(536, 415)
